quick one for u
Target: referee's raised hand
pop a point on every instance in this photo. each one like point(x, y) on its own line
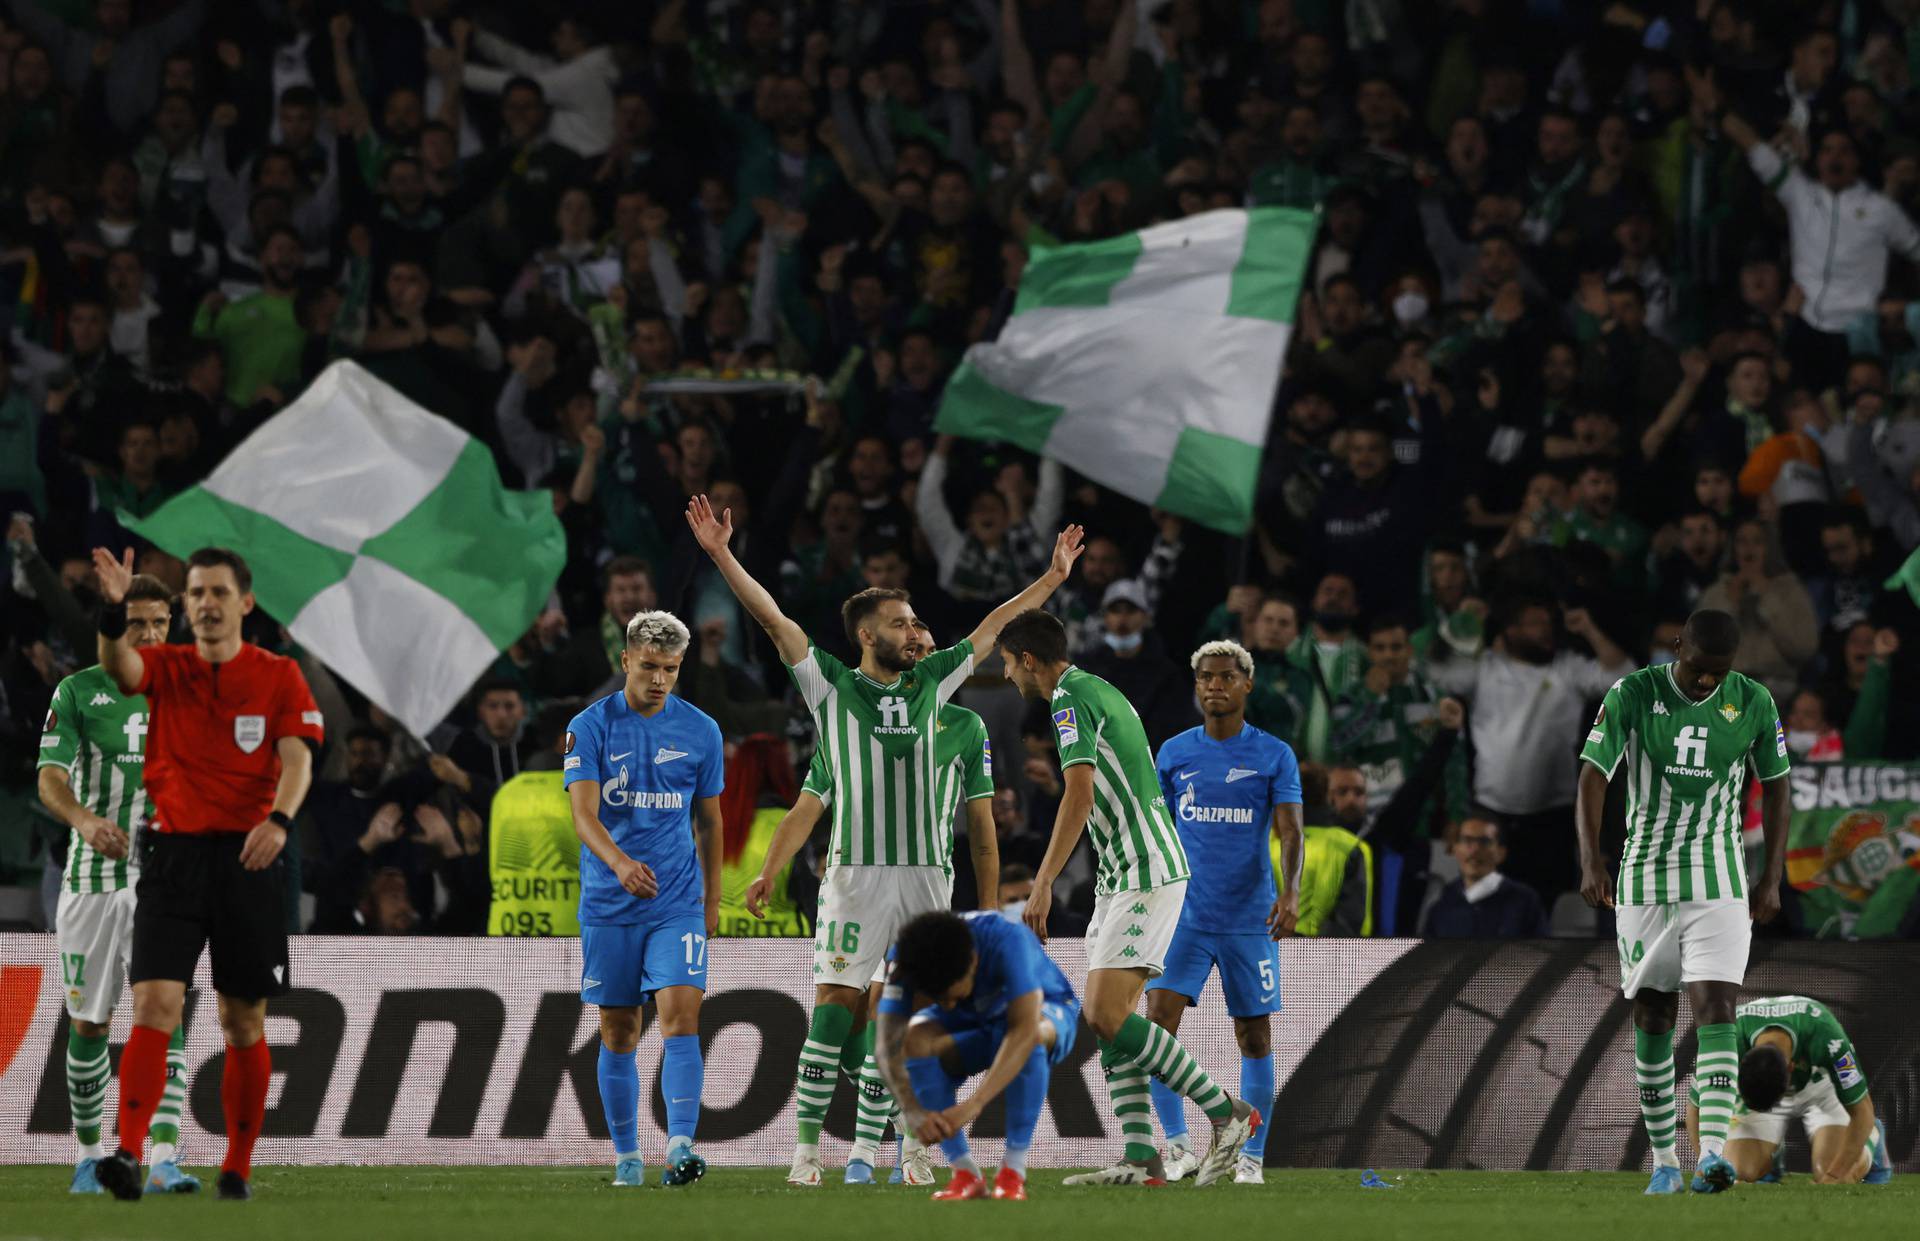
point(115, 575)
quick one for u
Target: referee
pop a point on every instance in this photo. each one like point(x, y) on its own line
point(229, 759)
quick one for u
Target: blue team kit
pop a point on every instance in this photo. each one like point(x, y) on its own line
point(651, 773)
point(1222, 794)
point(1011, 964)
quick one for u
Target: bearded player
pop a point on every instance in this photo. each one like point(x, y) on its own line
point(877, 724)
point(1687, 733)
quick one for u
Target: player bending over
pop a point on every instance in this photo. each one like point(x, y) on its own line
point(1687, 733)
point(1228, 783)
point(91, 765)
point(644, 770)
point(1796, 1063)
point(971, 994)
point(1140, 887)
point(963, 768)
point(877, 725)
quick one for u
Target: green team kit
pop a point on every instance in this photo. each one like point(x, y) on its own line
point(1135, 846)
point(1822, 1054)
point(97, 735)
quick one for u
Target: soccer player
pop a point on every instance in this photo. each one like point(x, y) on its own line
point(1140, 887)
point(1687, 732)
point(877, 725)
point(229, 759)
point(1228, 782)
point(972, 994)
point(644, 770)
point(1796, 1063)
point(91, 759)
point(963, 767)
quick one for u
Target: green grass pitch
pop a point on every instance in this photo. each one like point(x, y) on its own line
point(476, 1204)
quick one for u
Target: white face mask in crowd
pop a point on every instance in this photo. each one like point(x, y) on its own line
point(1015, 909)
point(1125, 642)
point(1802, 740)
point(1410, 307)
point(1664, 655)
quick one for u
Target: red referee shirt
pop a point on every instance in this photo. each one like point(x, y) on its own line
point(211, 759)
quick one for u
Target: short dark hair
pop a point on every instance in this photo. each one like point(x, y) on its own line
point(863, 604)
point(1480, 814)
point(146, 588)
point(300, 96)
point(871, 547)
point(934, 952)
point(1036, 633)
point(624, 566)
point(1852, 518)
point(1605, 465)
point(215, 557)
point(1763, 1078)
point(367, 732)
point(496, 685)
point(1383, 621)
point(1015, 872)
point(1713, 632)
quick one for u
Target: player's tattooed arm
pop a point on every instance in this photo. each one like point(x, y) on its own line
point(890, 1055)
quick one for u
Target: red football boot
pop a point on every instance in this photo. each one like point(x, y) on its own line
point(963, 1185)
point(1010, 1185)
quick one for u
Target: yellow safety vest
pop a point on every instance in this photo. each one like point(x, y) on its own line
point(783, 916)
point(534, 858)
point(1323, 867)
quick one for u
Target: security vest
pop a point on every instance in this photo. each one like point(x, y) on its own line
point(783, 916)
point(1323, 868)
point(533, 858)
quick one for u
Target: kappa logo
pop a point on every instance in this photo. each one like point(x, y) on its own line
point(1138, 909)
point(1135, 931)
point(665, 755)
point(1660, 708)
point(1240, 773)
point(1128, 951)
point(101, 700)
point(1834, 1045)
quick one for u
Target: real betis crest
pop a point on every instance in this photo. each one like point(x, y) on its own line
point(1730, 712)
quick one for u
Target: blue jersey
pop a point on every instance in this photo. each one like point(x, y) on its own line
point(1223, 794)
point(651, 771)
point(1012, 963)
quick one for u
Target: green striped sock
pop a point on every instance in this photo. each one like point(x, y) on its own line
point(166, 1118)
point(1653, 1071)
point(1161, 1054)
point(1132, 1096)
point(88, 1072)
point(1714, 1075)
point(819, 1064)
point(874, 1108)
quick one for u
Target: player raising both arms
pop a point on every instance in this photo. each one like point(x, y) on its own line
point(644, 771)
point(963, 766)
point(877, 725)
point(973, 994)
point(91, 763)
point(1797, 1063)
point(1687, 733)
point(1228, 782)
point(1140, 886)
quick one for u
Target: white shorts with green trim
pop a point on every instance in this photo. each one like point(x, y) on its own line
point(1816, 1106)
point(862, 909)
point(1132, 930)
point(1664, 947)
point(95, 932)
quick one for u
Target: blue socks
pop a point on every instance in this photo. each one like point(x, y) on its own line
point(1025, 1096)
point(1171, 1108)
point(1256, 1087)
point(682, 1076)
point(620, 1099)
point(935, 1090)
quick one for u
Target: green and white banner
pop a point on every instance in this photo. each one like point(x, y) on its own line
point(1147, 362)
point(380, 534)
point(1853, 847)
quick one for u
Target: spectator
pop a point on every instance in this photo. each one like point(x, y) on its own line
point(1454, 618)
point(1383, 724)
point(1016, 885)
point(1597, 519)
point(1134, 660)
point(1332, 657)
point(1686, 574)
point(259, 336)
point(1483, 903)
point(577, 81)
point(1281, 688)
point(1368, 525)
point(1336, 882)
point(1846, 592)
point(385, 906)
point(1077, 604)
point(1002, 546)
point(1778, 630)
point(487, 755)
point(351, 832)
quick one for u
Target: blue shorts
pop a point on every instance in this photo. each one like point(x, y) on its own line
point(622, 966)
point(1249, 970)
point(977, 1041)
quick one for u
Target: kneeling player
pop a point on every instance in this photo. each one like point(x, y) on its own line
point(638, 762)
point(973, 994)
point(1796, 1063)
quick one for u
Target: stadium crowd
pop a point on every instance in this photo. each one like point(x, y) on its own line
point(1613, 315)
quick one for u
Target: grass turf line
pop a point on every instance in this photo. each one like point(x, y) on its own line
point(478, 1204)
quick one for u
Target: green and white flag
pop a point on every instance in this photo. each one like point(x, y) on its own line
point(380, 535)
point(1147, 362)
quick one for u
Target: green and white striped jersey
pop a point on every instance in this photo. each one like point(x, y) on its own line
point(1687, 764)
point(963, 771)
point(1135, 845)
point(879, 743)
point(97, 735)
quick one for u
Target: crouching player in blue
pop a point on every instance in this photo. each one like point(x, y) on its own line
point(644, 771)
point(971, 994)
point(1226, 782)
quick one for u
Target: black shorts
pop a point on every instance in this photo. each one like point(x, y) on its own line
point(193, 893)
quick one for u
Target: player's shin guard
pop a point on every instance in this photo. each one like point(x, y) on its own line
point(935, 1087)
point(88, 1072)
point(1257, 1087)
point(243, 1099)
point(1715, 1073)
point(683, 1075)
point(143, 1079)
point(1026, 1094)
point(1161, 1054)
point(819, 1060)
point(620, 1100)
point(1653, 1071)
point(166, 1119)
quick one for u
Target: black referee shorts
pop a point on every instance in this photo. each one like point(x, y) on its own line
point(193, 893)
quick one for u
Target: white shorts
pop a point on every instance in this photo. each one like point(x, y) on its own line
point(95, 933)
point(1131, 930)
point(880, 971)
point(862, 909)
point(1815, 1106)
point(1663, 947)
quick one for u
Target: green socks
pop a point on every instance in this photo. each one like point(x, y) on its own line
point(88, 1072)
point(1715, 1073)
point(1161, 1054)
point(819, 1062)
point(1653, 1071)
